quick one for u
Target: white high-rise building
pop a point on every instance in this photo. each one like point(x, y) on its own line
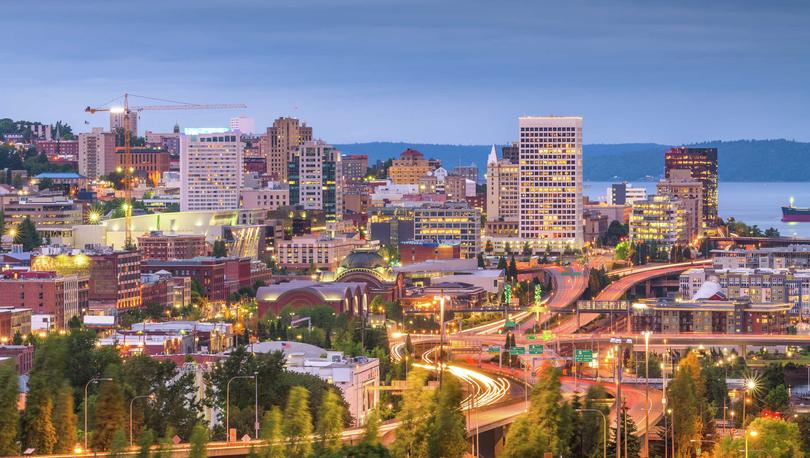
point(97, 153)
point(243, 124)
point(502, 189)
point(117, 122)
point(210, 169)
point(551, 181)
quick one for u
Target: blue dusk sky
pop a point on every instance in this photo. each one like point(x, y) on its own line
point(421, 70)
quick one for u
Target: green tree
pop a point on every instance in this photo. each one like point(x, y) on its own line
point(9, 416)
point(777, 399)
point(27, 235)
point(448, 432)
point(220, 250)
point(481, 262)
point(330, 422)
point(297, 423)
point(633, 445)
point(109, 415)
point(145, 444)
point(513, 272)
point(272, 433)
point(64, 420)
point(527, 250)
point(780, 438)
point(371, 430)
point(118, 443)
point(417, 403)
point(199, 442)
point(40, 431)
point(165, 443)
point(686, 391)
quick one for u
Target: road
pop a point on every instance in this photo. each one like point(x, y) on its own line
point(629, 277)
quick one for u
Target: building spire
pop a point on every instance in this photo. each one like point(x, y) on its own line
point(493, 156)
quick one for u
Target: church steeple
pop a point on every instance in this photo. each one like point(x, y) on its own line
point(493, 156)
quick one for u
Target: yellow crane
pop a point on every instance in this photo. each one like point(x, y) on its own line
point(127, 169)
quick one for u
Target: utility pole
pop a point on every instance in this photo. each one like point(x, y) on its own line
point(620, 343)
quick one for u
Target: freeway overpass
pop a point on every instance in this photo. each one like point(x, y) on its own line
point(631, 277)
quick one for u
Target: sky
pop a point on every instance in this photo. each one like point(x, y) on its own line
point(430, 71)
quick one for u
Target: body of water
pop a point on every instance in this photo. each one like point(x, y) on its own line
point(752, 203)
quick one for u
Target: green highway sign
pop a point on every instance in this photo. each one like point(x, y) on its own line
point(535, 349)
point(583, 356)
point(531, 337)
point(494, 349)
point(548, 335)
point(510, 324)
point(517, 351)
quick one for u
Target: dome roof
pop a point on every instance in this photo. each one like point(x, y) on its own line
point(363, 260)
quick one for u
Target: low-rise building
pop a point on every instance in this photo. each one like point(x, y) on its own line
point(23, 356)
point(343, 297)
point(166, 246)
point(322, 251)
point(53, 215)
point(14, 320)
point(273, 197)
point(115, 278)
point(412, 251)
point(449, 222)
point(42, 293)
point(715, 316)
point(659, 220)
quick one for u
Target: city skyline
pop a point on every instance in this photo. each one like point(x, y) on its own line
point(451, 73)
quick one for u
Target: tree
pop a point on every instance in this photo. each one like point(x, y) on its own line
point(448, 432)
point(371, 430)
point(488, 247)
point(298, 423)
point(109, 415)
point(513, 272)
point(220, 250)
point(118, 443)
point(413, 433)
point(199, 442)
point(145, 444)
point(330, 422)
point(27, 235)
point(165, 443)
point(777, 399)
point(272, 433)
point(41, 433)
point(64, 420)
point(780, 438)
point(633, 445)
point(9, 416)
point(527, 250)
point(481, 262)
point(686, 391)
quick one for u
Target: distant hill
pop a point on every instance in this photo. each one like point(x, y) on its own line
point(740, 160)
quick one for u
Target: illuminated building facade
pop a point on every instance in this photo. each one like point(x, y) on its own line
point(53, 215)
point(210, 169)
point(702, 164)
point(659, 220)
point(314, 172)
point(96, 153)
point(551, 181)
point(680, 185)
point(449, 222)
point(410, 167)
point(503, 182)
point(281, 141)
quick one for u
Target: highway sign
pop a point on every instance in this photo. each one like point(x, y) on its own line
point(583, 356)
point(494, 349)
point(531, 337)
point(548, 335)
point(517, 351)
point(510, 324)
point(535, 349)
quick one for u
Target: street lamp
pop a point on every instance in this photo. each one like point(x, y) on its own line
point(620, 342)
point(255, 376)
point(752, 433)
point(151, 397)
point(92, 380)
point(604, 428)
point(647, 335)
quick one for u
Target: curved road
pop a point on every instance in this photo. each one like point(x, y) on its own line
point(615, 290)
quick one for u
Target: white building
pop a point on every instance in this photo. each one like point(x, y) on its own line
point(272, 197)
point(117, 122)
point(210, 169)
point(96, 153)
point(313, 175)
point(502, 189)
point(357, 378)
point(551, 181)
point(243, 124)
point(624, 194)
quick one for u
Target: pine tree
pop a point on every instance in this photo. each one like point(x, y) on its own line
point(629, 430)
point(298, 422)
point(27, 235)
point(414, 431)
point(330, 422)
point(64, 420)
point(199, 442)
point(165, 443)
point(9, 416)
point(41, 433)
point(448, 432)
point(513, 272)
point(272, 432)
point(145, 444)
point(109, 415)
point(220, 250)
point(118, 444)
point(371, 430)
point(481, 262)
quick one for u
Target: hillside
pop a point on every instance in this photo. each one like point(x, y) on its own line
point(740, 160)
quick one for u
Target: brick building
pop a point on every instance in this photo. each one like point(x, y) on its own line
point(115, 278)
point(43, 293)
point(158, 245)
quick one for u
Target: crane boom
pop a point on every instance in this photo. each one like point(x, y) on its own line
point(127, 111)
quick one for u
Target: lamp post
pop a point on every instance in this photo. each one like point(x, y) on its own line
point(92, 380)
point(151, 397)
point(750, 385)
point(620, 342)
point(255, 376)
point(751, 433)
point(647, 335)
point(604, 429)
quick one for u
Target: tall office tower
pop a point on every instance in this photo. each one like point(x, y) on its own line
point(511, 152)
point(286, 135)
point(243, 124)
point(97, 153)
point(502, 189)
point(314, 173)
point(210, 169)
point(680, 186)
point(117, 122)
point(469, 172)
point(355, 167)
point(551, 181)
point(702, 164)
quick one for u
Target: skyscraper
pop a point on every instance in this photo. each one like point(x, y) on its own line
point(243, 124)
point(97, 153)
point(314, 176)
point(210, 169)
point(502, 189)
point(551, 181)
point(702, 164)
point(117, 122)
point(286, 135)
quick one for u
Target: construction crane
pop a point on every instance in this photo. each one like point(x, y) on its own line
point(127, 168)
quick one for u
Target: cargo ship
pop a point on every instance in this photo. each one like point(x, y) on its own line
point(793, 214)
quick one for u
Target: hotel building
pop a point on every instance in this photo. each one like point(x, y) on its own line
point(210, 169)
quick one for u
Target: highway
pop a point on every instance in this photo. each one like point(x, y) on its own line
point(615, 290)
